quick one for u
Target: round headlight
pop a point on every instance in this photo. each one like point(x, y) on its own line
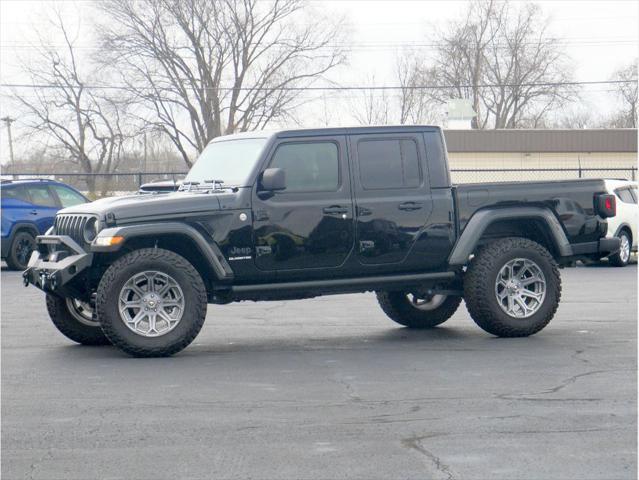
point(90, 230)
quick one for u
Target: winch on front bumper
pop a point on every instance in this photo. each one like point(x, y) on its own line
point(56, 260)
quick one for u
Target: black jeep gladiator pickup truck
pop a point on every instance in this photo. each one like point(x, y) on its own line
point(301, 213)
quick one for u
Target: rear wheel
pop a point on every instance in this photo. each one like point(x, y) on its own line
point(622, 257)
point(416, 310)
point(20, 251)
point(75, 320)
point(512, 287)
point(151, 303)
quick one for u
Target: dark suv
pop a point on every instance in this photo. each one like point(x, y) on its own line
point(28, 209)
point(301, 213)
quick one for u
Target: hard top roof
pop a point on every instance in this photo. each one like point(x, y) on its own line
point(309, 132)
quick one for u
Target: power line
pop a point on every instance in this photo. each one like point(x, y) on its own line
point(371, 45)
point(338, 88)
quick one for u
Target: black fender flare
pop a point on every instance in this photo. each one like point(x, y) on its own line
point(209, 250)
point(480, 221)
point(7, 242)
point(24, 226)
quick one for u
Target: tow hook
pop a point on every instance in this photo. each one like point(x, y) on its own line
point(48, 281)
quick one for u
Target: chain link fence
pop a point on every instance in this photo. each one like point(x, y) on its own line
point(98, 184)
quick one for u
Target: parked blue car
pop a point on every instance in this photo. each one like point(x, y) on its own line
point(28, 209)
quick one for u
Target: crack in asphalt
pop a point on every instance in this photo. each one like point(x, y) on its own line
point(415, 443)
point(564, 383)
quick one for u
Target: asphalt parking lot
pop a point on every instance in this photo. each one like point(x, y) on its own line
point(330, 388)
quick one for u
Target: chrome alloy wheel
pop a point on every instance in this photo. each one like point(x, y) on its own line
point(520, 288)
point(82, 312)
point(151, 303)
point(426, 304)
point(624, 249)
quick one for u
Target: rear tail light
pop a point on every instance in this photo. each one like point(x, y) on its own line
point(606, 205)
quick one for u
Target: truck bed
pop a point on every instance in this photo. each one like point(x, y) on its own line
point(570, 200)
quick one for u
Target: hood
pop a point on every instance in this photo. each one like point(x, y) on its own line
point(155, 206)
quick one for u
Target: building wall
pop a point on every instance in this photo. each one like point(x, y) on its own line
point(542, 160)
point(545, 160)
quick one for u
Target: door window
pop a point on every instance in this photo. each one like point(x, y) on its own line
point(388, 163)
point(68, 198)
point(41, 196)
point(309, 167)
point(17, 193)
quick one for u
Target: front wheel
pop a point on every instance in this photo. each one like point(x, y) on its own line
point(512, 287)
point(417, 311)
point(151, 303)
point(20, 251)
point(75, 320)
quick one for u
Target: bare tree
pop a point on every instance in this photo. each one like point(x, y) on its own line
point(371, 106)
point(503, 60)
point(84, 126)
point(414, 105)
point(205, 68)
point(626, 92)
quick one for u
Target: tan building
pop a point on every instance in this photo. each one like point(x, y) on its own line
point(543, 154)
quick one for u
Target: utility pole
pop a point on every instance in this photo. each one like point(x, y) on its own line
point(8, 120)
point(145, 152)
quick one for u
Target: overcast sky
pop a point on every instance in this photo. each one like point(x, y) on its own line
point(599, 36)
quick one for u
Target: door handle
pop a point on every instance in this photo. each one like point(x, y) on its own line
point(33, 212)
point(335, 209)
point(410, 206)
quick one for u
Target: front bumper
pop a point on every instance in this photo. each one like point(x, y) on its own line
point(56, 261)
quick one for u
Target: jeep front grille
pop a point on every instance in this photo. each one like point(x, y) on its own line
point(72, 225)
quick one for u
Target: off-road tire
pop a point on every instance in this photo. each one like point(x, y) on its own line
point(616, 259)
point(169, 263)
point(479, 287)
point(399, 309)
point(13, 260)
point(70, 327)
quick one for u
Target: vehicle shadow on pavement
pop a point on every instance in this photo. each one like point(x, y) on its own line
point(401, 341)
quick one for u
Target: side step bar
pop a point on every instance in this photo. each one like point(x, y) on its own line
point(345, 284)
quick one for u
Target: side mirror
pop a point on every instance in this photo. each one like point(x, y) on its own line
point(273, 179)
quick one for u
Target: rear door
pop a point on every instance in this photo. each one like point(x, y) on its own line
point(392, 195)
point(309, 225)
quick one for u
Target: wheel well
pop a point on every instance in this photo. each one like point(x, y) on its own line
point(180, 244)
point(626, 228)
point(25, 228)
point(19, 229)
point(534, 229)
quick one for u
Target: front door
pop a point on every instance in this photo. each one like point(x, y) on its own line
point(392, 196)
point(309, 225)
point(44, 208)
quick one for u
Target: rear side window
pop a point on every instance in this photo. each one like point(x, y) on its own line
point(624, 195)
point(633, 190)
point(40, 195)
point(68, 198)
point(16, 193)
point(388, 163)
point(309, 167)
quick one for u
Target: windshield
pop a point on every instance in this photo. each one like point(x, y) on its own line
point(229, 161)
